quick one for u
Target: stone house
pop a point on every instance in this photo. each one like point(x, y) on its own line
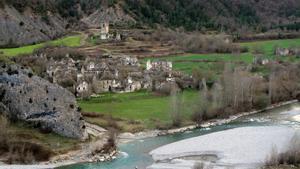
point(104, 31)
point(132, 85)
point(282, 52)
point(56, 70)
point(82, 87)
point(159, 65)
point(260, 61)
point(116, 73)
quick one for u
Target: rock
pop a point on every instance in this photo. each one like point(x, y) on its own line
point(26, 97)
point(113, 15)
point(25, 28)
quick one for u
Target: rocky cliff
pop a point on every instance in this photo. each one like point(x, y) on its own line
point(23, 28)
point(113, 15)
point(26, 97)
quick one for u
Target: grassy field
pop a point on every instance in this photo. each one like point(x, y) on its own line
point(144, 107)
point(54, 142)
point(215, 62)
point(269, 46)
point(188, 62)
point(70, 41)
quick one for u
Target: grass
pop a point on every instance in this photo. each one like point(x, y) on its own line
point(69, 41)
point(186, 63)
point(144, 107)
point(54, 142)
point(269, 45)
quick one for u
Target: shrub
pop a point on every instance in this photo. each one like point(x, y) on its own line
point(290, 157)
point(27, 153)
point(176, 108)
point(19, 150)
point(92, 114)
point(261, 101)
point(198, 166)
point(99, 147)
point(201, 166)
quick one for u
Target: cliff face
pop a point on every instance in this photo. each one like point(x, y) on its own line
point(23, 28)
point(26, 97)
point(113, 15)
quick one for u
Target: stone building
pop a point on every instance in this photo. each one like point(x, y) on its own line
point(117, 73)
point(282, 52)
point(159, 65)
point(104, 31)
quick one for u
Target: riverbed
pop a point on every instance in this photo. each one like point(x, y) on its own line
point(136, 153)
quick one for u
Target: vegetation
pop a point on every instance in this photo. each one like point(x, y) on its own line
point(136, 111)
point(236, 90)
point(19, 143)
point(212, 63)
point(269, 45)
point(199, 165)
point(232, 16)
point(217, 15)
point(289, 158)
point(70, 41)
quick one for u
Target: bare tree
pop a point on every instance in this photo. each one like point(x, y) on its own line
point(176, 107)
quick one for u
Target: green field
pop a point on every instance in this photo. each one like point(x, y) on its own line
point(143, 106)
point(269, 46)
point(188, 62)
point(70, 41)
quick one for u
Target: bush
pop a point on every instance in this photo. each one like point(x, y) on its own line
point(290, 157)
point(27, 153)
point(201, 166)
point(92, 114)
point(59, 53)
point(198, 166)
point(20, 151)
point(261, 101)
point(99, 147)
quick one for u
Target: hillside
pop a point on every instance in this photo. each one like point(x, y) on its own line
point(216, 14)
point(31, 21)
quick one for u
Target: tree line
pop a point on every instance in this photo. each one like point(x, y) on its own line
point(239, 90)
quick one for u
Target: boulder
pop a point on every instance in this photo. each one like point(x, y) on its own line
point(29, 98)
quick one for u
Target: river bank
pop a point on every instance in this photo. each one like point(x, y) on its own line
point(128, 137)
point(76, 157)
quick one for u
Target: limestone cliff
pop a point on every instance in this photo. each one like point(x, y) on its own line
point(26, 97)
point(113, 15)
point(24, 28)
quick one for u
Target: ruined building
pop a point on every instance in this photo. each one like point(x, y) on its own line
point(104, 31)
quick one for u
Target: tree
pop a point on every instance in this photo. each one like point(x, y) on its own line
point(202, 104)
point(176, 107)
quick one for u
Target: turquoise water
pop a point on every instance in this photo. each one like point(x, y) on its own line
point(135, 154)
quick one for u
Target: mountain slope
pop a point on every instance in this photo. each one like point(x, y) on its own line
point(216, 14)
point(18, 28)
point(30, 21)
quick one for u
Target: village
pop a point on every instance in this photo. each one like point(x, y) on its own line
point(122, 73)
point(117, 73)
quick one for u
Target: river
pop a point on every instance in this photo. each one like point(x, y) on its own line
point(136, 153)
